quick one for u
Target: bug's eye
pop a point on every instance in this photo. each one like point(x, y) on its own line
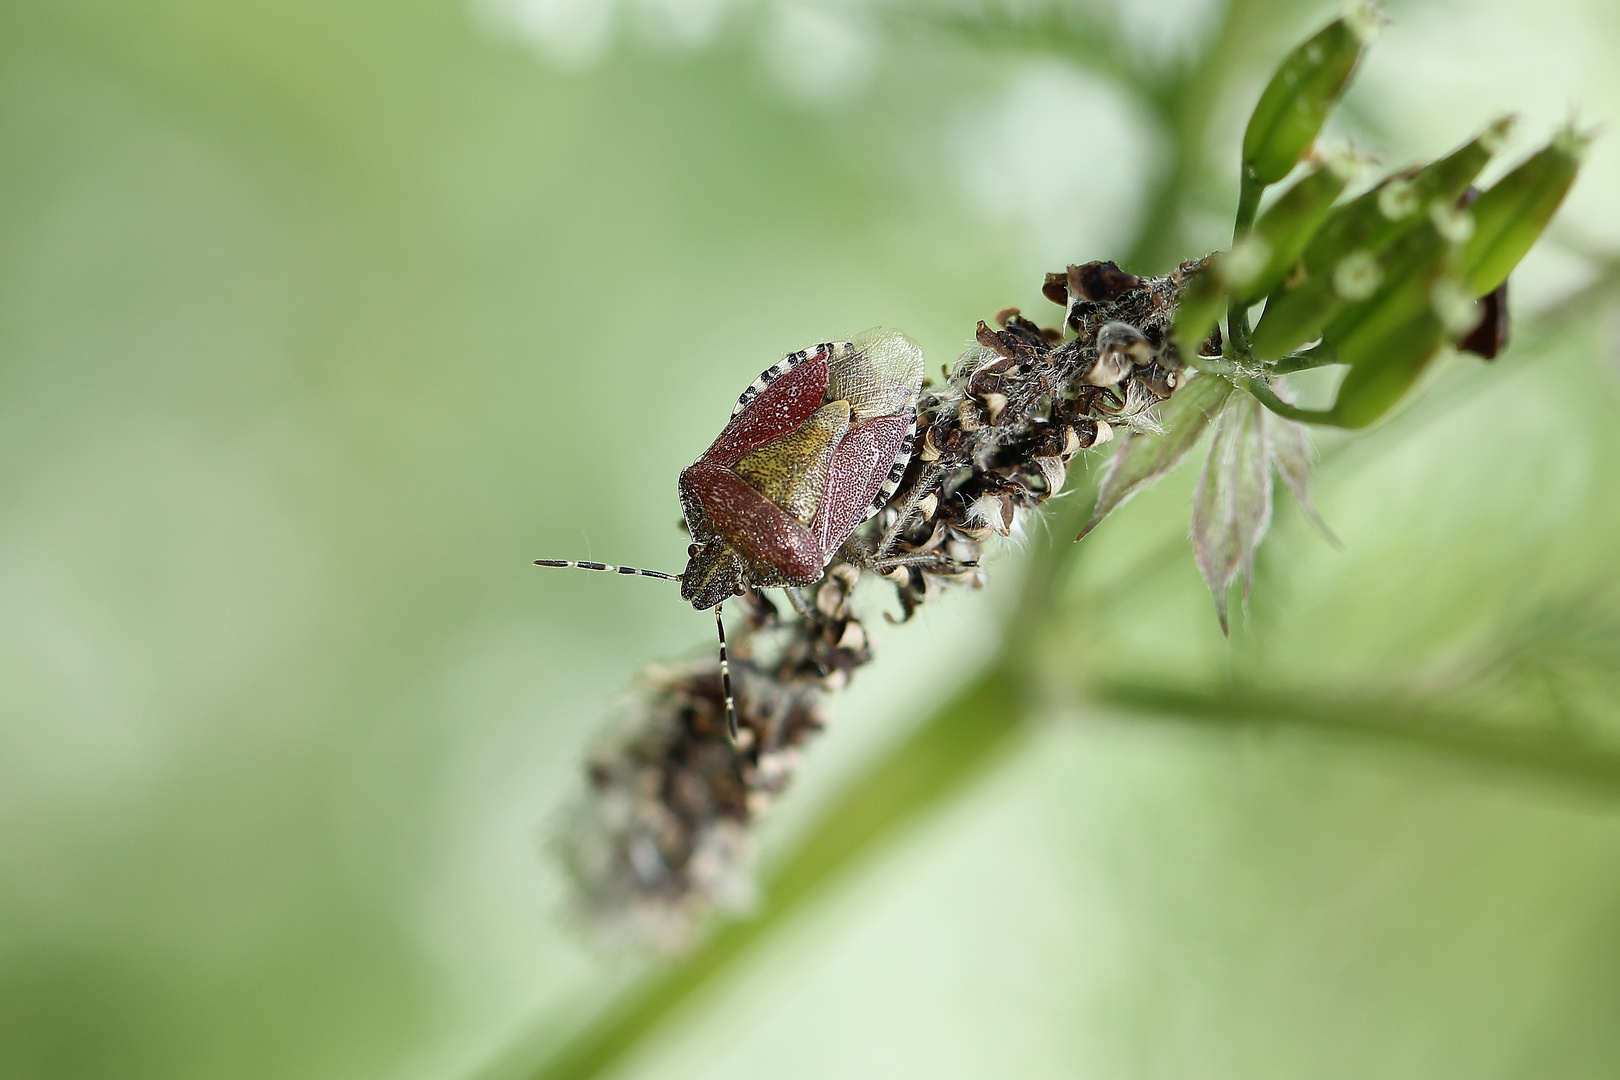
point(738, 589)
point(692, 550)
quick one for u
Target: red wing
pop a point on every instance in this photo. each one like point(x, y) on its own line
point(861, 466)
point(761, 530)
point(776, 410)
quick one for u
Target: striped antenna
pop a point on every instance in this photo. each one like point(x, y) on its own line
point(725, 675)
point(719, 624)
point(606, 569)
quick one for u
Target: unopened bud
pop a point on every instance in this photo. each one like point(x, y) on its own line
point(1511, 216)
point(1286, 228)
point(1244, 263)
point(1306, 85)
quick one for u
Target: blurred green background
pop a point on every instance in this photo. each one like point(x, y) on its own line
point(319, 321)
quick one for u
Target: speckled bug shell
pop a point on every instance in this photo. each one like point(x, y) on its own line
point(815, 446)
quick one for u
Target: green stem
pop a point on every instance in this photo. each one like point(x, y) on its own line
point(1212, 365)
point(1270, 400)
point(1237, 314)
point(1249, 192)
point(1528, 747)
point(1315, 357)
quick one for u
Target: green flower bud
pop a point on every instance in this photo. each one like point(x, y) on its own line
point(1451, 222)
point(1457, 310)
point(1369, 224)
point(1372, 227)
point(1390, 338)
point(1374, 220)
point(1395, 200)
point(1510, 217)
point(1306, 85)
point(1391, 361)
point(1288, 226)
point(1409, 269)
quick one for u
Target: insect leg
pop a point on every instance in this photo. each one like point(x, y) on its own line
point(605, 568)
point(800, 604)
point(937, 559)
point(924, 485)
point(725, 675)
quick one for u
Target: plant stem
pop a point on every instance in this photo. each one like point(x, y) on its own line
point(1529, 748)
point(1314, 357)
point(1270, 400)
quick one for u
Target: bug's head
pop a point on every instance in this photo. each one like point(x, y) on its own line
point(713, 574)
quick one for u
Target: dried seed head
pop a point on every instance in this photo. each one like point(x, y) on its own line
point(853, 638)
point(1109, 370)
point(928, 452)
point(1120, 347)
point(1054, 471)
point(967, 415)
point(664, 836)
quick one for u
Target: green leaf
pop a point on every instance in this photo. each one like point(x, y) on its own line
point(1232, 504)
point(1141, 459)
point(1288, 444)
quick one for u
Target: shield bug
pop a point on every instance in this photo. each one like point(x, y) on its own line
point(815, 446)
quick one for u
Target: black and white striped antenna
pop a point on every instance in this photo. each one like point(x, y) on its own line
point(606, 569)
point(719, 625)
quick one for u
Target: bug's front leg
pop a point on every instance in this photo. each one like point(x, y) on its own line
point(920, 491)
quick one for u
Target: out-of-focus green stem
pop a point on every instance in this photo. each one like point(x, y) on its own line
point(1531, 749)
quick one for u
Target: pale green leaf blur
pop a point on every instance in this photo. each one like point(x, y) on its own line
point(320, 321)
